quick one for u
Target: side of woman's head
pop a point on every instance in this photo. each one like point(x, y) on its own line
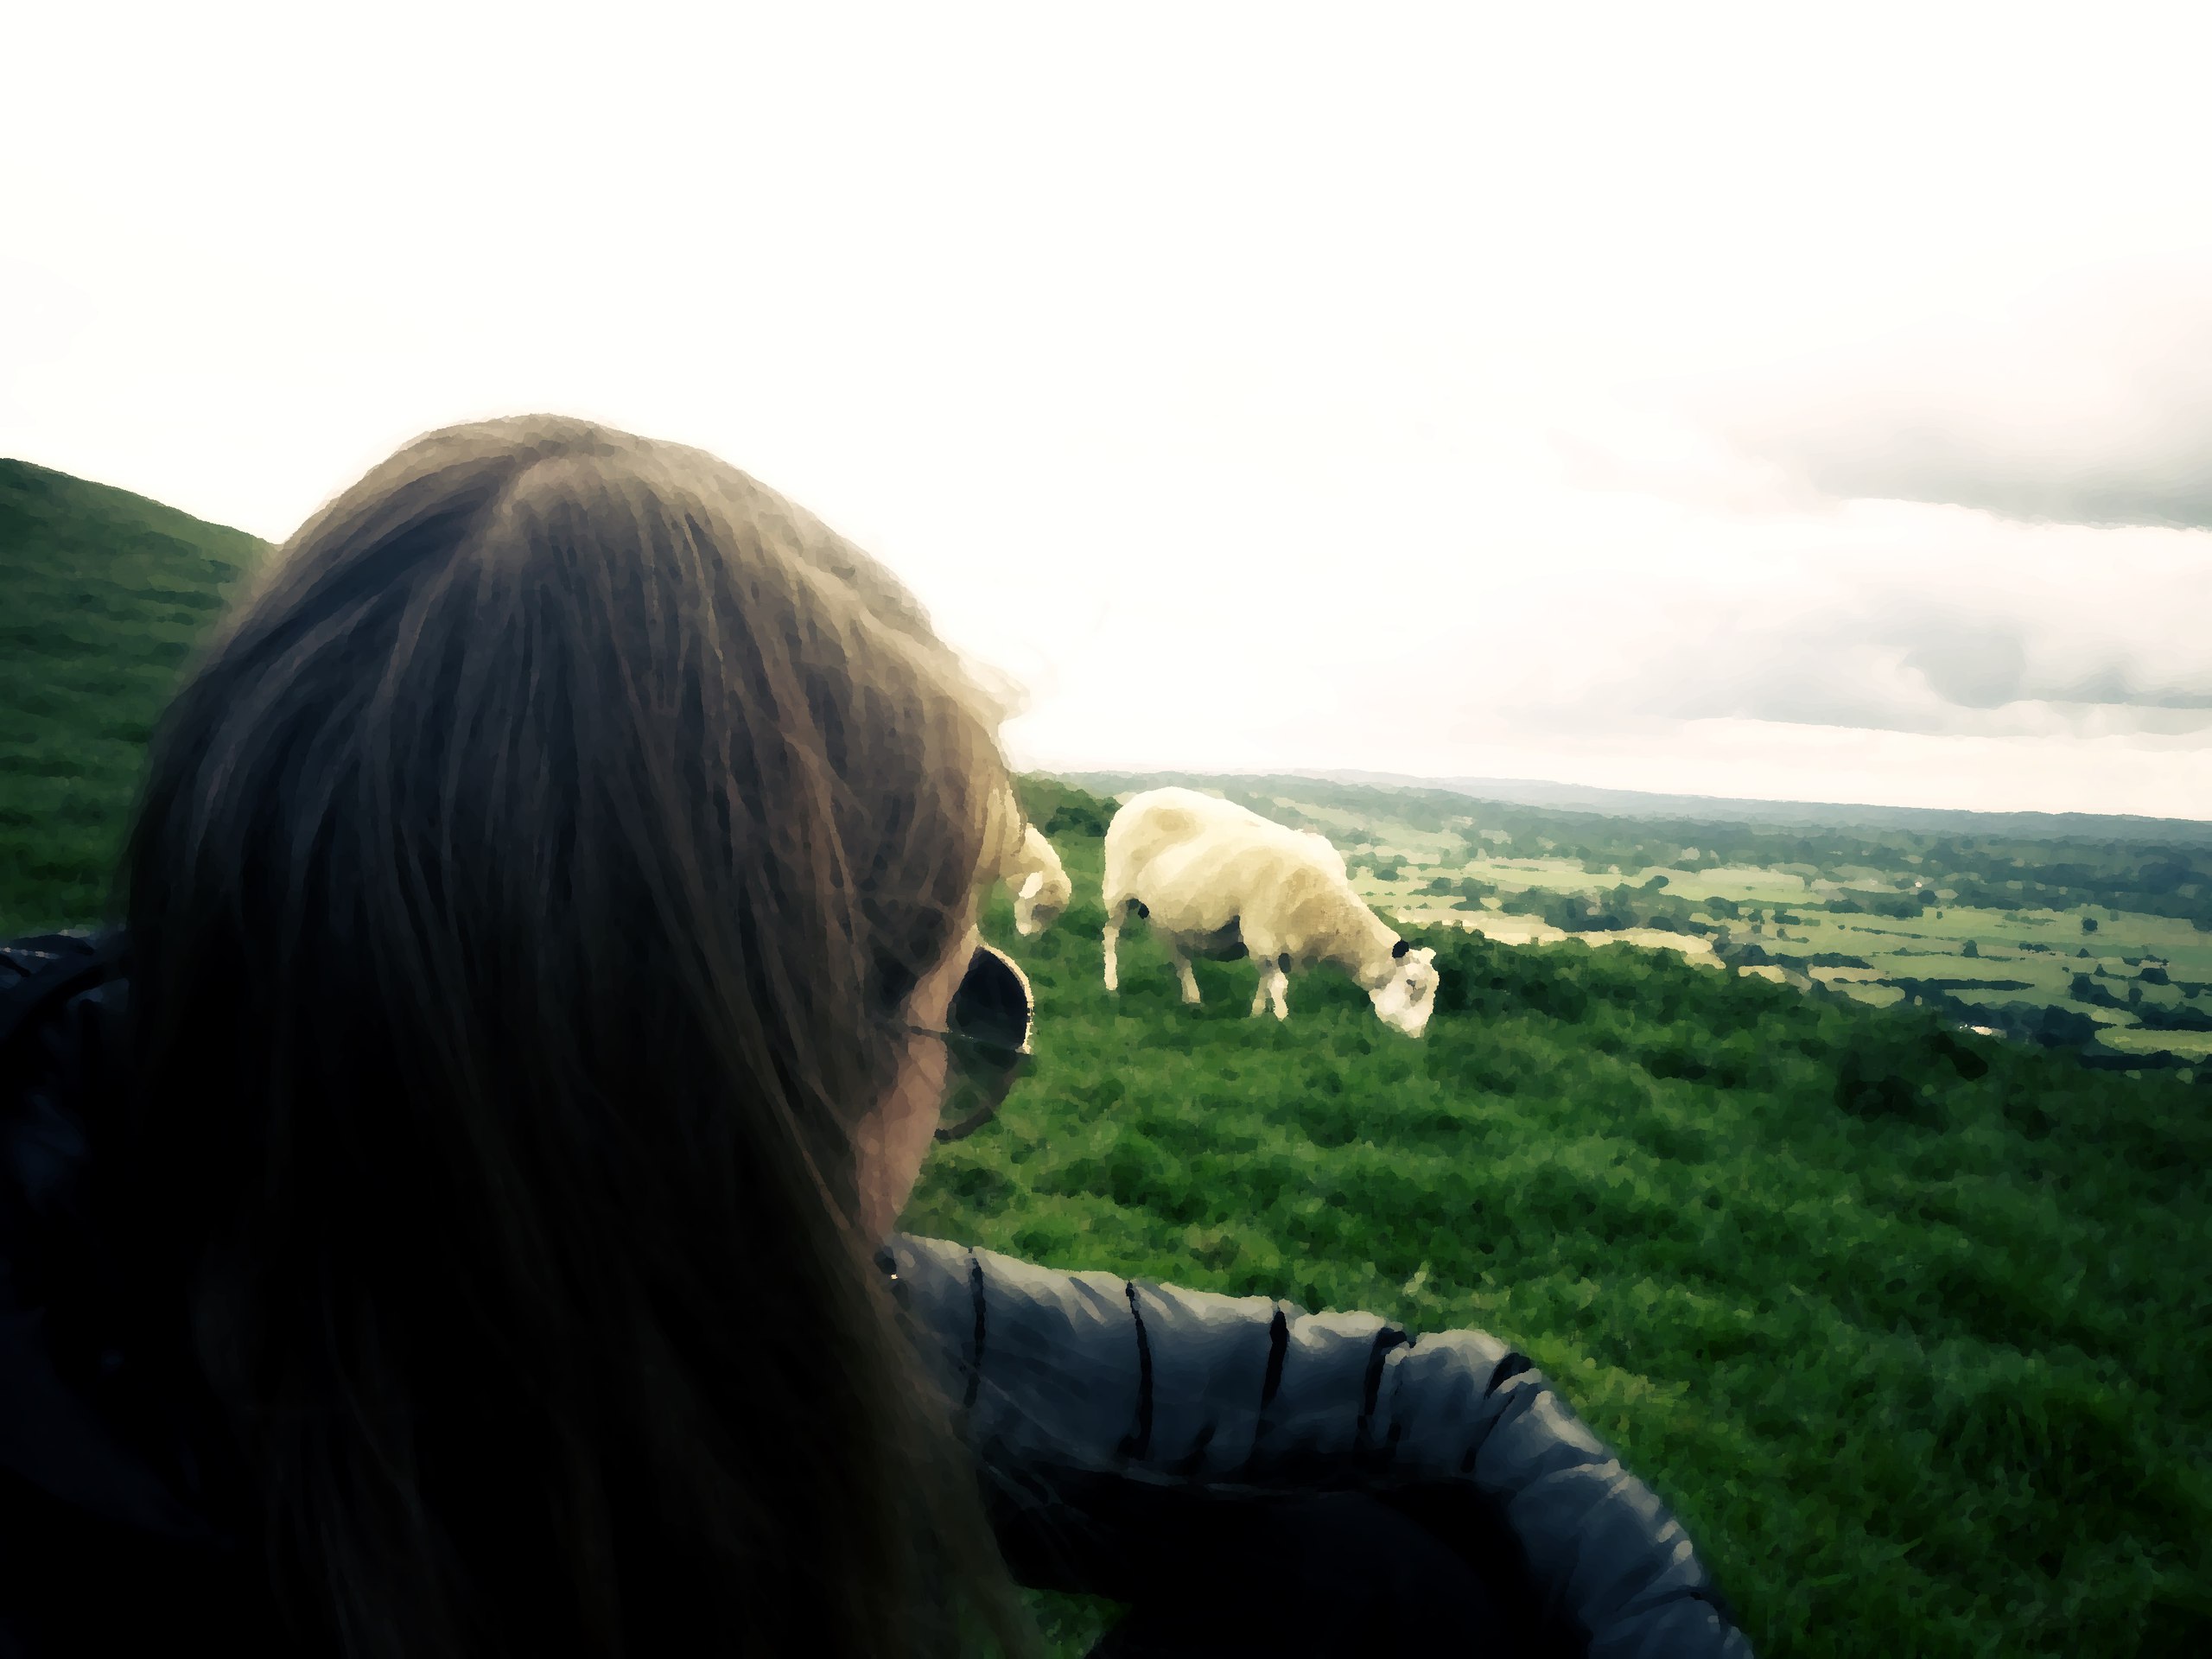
point(526, 887)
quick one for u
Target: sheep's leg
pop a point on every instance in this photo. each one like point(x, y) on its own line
point(1274, 965)
point(1115, 902)
point(1183, 972)
point(1274, 979)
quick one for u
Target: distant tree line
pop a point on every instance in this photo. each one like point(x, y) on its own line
point(1059, 808)
point(1615, 909)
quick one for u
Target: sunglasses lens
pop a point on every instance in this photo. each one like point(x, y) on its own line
point(993, 1005)
point(976, 1085)
point(986, 1035)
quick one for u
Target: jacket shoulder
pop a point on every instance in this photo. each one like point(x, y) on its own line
point(1089, 1373)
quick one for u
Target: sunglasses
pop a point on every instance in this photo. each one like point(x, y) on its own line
point(986, 1038)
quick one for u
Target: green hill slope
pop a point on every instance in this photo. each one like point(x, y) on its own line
point(106, 592)
point(1912, 1329)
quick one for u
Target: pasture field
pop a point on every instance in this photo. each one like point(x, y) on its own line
point(2198, 1044)
point(1509, 929)
point(1912, 1332)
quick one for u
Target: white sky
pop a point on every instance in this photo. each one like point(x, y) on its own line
point(1632, 397)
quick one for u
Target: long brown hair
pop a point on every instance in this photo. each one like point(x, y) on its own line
point(526, 879)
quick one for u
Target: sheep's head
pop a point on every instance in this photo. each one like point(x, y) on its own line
point(1405, 1001)
point(1039, 901)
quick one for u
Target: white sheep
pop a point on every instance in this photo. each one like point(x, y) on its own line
point(1218, 881)
point(1039, 882)
point(1016, 853)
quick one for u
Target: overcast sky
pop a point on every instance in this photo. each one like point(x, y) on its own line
point(1757, 401)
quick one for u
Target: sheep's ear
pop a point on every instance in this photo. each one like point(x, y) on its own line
point(1033, 885)
point(1427, 953)
point(1399, 950)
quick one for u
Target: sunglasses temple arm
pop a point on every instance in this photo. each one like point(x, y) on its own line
point(969, 1125)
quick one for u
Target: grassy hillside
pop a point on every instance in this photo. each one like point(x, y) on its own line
point(1910, 1328)
point(106, 593)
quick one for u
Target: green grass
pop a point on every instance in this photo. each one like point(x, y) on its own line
point(1930, 1378)
point(1920, 1359)
point(107, 592)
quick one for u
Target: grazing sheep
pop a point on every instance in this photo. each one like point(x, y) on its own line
point(1039, 882)
point(1218, 881)
point(1016, 853)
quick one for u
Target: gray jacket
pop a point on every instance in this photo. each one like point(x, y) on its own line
point(1109, 1414)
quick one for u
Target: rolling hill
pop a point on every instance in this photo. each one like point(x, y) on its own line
point(106, 594)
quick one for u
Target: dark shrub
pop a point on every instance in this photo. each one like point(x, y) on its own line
point(1899, 1076)
point(2151, 1017)
point(2085, 988)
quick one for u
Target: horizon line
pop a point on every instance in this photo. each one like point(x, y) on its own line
point(1462, 784)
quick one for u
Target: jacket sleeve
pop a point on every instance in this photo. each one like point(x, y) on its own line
point(1114, 1413)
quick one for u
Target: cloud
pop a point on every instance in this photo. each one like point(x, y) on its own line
point(2090, 406)
point(2153, 470)
point(1620, 446)
point(1893, 656)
